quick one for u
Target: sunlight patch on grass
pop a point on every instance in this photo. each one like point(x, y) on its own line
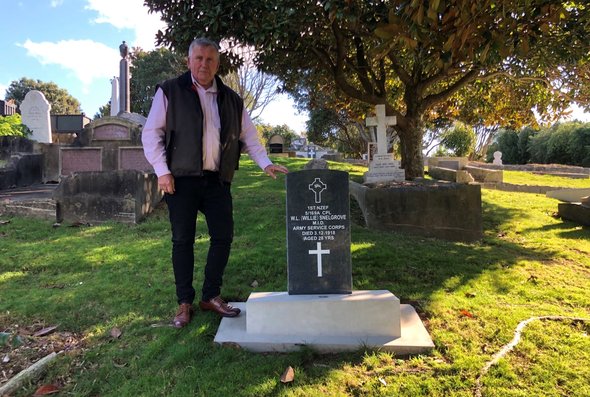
point(528, 178)
point(5, 276)
point(354, 247)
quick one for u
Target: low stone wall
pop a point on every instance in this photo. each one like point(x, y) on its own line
point(509, 187)
point(443, 210)
point(22, 169)
point(95, 197)
point(485, 176)
point(456, 163)
point(574, 212)
point(450, 175)
point(552, 169)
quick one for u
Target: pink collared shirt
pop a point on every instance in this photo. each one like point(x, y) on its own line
point(153, 134)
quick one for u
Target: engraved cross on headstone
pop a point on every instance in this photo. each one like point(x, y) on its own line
point(381, 122)
point(319, 252)
point(317, 187)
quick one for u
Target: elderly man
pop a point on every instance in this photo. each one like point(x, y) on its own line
point(193, 137)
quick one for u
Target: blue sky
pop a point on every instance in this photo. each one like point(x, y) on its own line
point(75, 44)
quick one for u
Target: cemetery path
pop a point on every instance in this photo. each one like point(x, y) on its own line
point(34, 192)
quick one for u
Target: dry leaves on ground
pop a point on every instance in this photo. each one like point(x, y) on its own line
point(16, 357)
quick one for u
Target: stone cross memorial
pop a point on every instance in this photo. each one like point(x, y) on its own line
point(383, 167)
point(318, 233)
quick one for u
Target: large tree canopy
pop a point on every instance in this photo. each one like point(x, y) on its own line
point(415, 56)
point(60, 99)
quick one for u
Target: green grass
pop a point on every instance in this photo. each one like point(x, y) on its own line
point(91, 279)
point(528, 178)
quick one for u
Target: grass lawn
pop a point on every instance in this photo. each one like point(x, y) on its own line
point(92, 279)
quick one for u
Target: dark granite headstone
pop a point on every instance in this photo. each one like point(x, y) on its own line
point(318, 232)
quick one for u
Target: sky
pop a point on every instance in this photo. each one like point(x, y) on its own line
point(75, 44)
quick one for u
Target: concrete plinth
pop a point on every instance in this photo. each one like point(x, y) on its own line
point(278, 322)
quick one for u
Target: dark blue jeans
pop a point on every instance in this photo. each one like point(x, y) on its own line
point(213, 199)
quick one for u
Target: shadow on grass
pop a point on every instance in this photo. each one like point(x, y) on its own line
point(566, 229)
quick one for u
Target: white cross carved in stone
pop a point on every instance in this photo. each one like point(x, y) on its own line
point(381, 122)
point(317, 187)
point(319, 252)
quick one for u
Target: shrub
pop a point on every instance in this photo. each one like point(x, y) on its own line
point(13, 126)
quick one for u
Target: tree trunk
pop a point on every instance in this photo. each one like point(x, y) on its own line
point(411, 147)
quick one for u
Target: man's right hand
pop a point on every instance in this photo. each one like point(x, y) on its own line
point(166, 183)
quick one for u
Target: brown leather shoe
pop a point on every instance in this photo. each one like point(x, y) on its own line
point(220, 307)
point(183, 315)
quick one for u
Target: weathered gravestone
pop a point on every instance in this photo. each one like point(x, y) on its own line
point(318, 233)
point(320, 309)
point(35, 115)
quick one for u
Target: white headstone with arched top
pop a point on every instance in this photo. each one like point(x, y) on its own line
point(35, 115)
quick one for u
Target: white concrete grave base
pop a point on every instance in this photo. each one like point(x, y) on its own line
point(279, 322)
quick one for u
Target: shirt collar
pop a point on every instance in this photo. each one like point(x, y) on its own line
point(212, 89)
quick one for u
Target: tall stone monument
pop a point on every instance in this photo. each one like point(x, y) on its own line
point(114, 96)
point(383, 168)
point(35, 115)
point(124, 89)
point(321, 310)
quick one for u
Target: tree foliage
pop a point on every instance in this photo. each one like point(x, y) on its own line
point(148, 68)
point(60, 99)
point(418, 57)
point(460, 139)
point(266, 131)
point(330, 128)
point(13, 126)
point(563, 143)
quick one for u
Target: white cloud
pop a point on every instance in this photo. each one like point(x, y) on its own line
point(3, 89)
point(87, 59)
point(129, 14)
point(56, 3)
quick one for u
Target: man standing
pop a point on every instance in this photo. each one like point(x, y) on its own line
point(193, 137)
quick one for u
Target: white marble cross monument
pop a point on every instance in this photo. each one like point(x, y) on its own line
point(383, 168)
point(381, 121)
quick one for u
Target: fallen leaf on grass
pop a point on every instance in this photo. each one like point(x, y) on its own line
point(46, 389)
point(466, 313)
point(471, 294)
point(116, 333)
point(45, 331)
point(4, 222)
point(56, 224)
point(116, 364)
point(383, 382)
point(254, 284)
point(6, 359)
point(288, 376)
